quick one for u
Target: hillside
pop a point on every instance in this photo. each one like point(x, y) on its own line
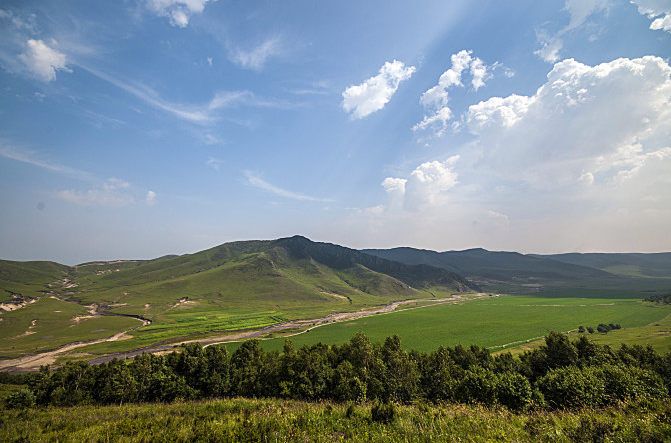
point(29, 279)
point(234, 286)
point(582, 274)
point(626, 264)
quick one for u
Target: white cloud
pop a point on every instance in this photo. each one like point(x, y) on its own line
point(114, 192)
point(42, 60)
point(581, 164)
point(586, 123)
point(437, 97)
point(150, 198)
point(659, 11)
point(425, 186)
point(203, 113)
point(579, 11)
point(257, 57)
point(210, 60)
point(31, 158)
point(373, 94)
point(258, 182)
point(179, 12)
point(214, 163)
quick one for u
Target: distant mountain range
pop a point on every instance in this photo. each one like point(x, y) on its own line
point(298, 270)
point(610, 274)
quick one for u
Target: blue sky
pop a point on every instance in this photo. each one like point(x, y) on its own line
point(139, 128)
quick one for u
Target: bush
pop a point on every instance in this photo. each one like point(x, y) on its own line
point(513, 391)
point(629, 383)
point(20, 400)
point(383, 413)
point(571, 387)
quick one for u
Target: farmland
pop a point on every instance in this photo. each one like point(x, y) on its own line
point(497, 322)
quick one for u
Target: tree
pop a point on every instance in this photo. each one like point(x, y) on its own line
point(401, 377)
point(581, 329)
point(247, 369)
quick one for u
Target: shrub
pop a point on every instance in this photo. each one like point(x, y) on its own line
point(513, 391)
point(571, 387)
point(383, 412)
point(20, 399)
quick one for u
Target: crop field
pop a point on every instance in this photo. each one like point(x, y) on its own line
point(498, 323)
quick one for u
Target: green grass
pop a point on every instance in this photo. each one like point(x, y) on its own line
point(496, 322)
point(282, 420)
point(656, 334)
point(28, 278)
point(54, 327)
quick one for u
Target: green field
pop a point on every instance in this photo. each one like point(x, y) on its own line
point(495, 322)
point(285, 420)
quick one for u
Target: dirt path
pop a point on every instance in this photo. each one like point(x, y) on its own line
point(303, 325)
point(35, 361)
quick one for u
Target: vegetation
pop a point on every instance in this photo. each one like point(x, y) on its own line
point(271, 420)
point(584, 275)
point(511, 321)
point(559, 375)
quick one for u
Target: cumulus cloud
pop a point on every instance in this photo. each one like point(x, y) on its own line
point(179, 12)
point(581, 164)
point(257, 57)
point(426, 185)
point(579, 11)
point(659, 11)
point(42, 60)
point(436, 98)
point(586, 123)
point(373, 94)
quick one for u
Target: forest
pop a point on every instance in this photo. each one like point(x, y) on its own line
point(561, 374)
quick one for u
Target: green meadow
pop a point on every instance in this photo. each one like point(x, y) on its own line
point(496, 322)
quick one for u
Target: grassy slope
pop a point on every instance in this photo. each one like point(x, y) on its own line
point(54, 327)
point(584, 275)
point(656, 265)
point(490, 322)
point(241, 285)
point(28, 278)
point(278, 420)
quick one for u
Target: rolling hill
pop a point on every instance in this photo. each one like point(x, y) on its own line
point(234, 286)
point(575, 274)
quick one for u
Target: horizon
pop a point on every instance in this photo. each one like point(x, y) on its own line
point(145, 128)
point(147, 258)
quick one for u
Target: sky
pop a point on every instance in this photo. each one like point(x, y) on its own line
point(139, 128)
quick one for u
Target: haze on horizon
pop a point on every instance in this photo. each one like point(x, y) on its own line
point(149, 127)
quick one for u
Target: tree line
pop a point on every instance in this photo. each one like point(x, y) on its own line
point(559, 374)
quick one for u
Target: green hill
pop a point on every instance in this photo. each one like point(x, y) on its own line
point(29, 279)
point(234, 286)
point(577, 274)
point(656, 265)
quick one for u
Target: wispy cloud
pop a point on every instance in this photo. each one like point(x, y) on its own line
point(214, 163)
point(257, 57)
point(258, 182)
point(199, 113)
point(25, 156)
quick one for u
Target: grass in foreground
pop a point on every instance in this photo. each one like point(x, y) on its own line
point(284, 420)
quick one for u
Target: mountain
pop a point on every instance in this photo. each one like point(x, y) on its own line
point(259, 275)
point(567, 274)
point(625, 264)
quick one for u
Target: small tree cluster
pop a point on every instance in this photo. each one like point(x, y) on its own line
point(560, 374)
point(602, 327)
